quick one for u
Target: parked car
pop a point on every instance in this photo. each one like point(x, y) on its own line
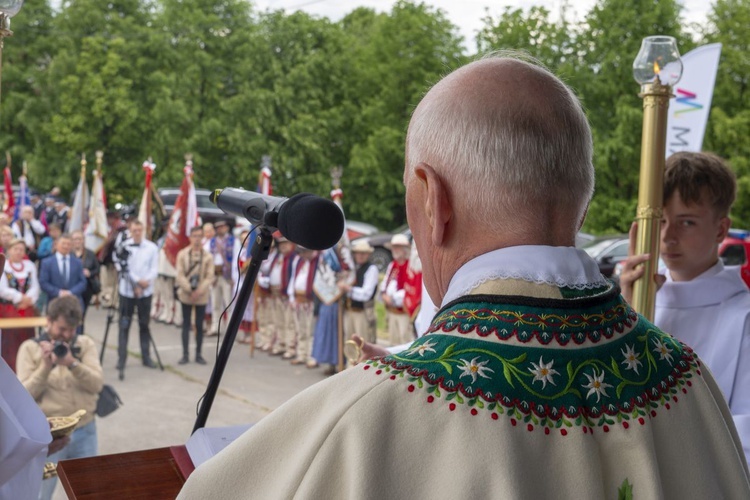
point(608, 251)
point(356, 229)
point(734, 250)
point(208, 211)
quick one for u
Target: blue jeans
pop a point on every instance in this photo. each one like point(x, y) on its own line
point(82, 444)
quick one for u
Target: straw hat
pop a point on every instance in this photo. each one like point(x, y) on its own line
point(362, 246)
point(398, 240)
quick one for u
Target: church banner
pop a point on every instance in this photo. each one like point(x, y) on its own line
point(688, 111)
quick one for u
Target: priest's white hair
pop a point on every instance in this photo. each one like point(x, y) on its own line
point(511, 140)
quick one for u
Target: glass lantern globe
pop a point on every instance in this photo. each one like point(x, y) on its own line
point(658, 61)
point(10, 7)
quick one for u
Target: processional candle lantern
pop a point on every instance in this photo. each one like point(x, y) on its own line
point(657, 68)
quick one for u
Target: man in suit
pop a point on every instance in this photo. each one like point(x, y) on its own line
point(61, 273)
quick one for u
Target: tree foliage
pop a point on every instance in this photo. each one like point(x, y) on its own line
point(230, 84)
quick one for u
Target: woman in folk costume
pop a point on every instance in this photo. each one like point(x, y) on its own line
point(19, 291)
point(336, 265)
point(239, 271)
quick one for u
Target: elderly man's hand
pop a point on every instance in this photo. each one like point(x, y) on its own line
point(368, 350)
point(632, 268)
point(57, 444)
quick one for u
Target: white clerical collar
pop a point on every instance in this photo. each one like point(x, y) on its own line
point(708, 273)
point(556, 266)
point(712, 287)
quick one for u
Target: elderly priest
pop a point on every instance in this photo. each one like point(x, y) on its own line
point(536, 379)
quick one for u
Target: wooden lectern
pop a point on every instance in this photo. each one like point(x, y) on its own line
point(157, 474)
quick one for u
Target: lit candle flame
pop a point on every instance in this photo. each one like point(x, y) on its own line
point(656, 68)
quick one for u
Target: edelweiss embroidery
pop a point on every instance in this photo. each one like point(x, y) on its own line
point(644, 372)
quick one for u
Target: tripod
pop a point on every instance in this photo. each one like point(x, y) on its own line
point(122, 275)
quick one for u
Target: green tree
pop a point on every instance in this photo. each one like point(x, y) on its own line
point(403, 54)
point(729, 122)
point(608, 42)
point(26, 60)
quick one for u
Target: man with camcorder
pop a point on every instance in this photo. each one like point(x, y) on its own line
point(62, 372)
point(136, 260)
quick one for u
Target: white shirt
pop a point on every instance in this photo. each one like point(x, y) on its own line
point(711, 314)
point(28, 272)
point(30, 228)
point(63, 269)
point(143, 264)
point(389, 287)
point(369, 284)
point(298, 284)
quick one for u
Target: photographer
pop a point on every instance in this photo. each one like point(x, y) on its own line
point(63, 374)
point(136, 260)
point(195, 275)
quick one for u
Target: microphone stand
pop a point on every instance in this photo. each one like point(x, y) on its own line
point(258, 254)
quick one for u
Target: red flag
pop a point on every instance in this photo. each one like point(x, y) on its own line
point(10, 201)
point(184, 217)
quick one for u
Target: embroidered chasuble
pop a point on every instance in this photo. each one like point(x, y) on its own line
point(518, 390)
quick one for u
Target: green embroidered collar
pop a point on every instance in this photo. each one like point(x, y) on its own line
point(623, 380)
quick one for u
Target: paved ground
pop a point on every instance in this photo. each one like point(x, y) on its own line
point(160, 406)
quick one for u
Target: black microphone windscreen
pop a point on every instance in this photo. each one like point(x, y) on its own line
point(311, 221)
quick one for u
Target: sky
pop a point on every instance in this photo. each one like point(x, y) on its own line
point(466, 14)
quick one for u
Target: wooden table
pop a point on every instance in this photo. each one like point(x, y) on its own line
point(157, 474)
point(15, 332)
point(33, 322)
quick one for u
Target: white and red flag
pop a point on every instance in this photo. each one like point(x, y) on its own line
point(98, 229)
point(144, 211)
point(79, 212)
point(184, 216)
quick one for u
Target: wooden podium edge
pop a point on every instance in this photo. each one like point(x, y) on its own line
point(82, 478)
point(183, 460)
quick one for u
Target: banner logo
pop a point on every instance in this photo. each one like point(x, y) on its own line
point(686, 98)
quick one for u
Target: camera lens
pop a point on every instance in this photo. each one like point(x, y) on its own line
point(60, 349)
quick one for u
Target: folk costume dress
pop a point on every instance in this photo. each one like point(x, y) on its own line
point(16, 281)
point(535, 380)
point(711, 313)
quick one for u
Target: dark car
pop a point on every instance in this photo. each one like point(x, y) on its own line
point(207, 211)
point(608, 252)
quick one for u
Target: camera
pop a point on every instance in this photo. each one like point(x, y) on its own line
point(123, 254)
point(60, 349)
point(194, 280)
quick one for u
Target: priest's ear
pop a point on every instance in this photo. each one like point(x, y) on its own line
point(435, 200)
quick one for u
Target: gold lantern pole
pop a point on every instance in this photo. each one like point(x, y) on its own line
point(657, 68)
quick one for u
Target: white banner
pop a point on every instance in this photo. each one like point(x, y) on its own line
point(688, 111)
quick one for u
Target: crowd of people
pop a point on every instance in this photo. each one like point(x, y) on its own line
point(534, 379)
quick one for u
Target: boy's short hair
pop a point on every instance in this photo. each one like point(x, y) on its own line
point(701, 177)
point(196, 229)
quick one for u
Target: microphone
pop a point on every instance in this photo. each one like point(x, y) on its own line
point(305, 219)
